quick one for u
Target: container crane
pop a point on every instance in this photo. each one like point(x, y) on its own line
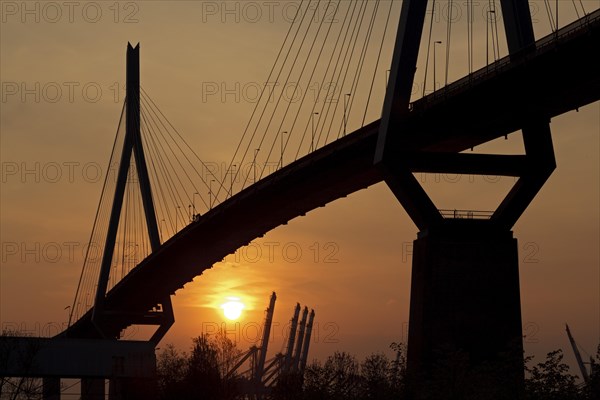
point(262, 355)
point(584, 373)
point(296, 359)
point(304, 354)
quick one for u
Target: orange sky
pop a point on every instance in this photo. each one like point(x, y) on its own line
point(358, 280)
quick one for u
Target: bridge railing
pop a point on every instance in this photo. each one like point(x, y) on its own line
point(542, 45)
point(466, 214)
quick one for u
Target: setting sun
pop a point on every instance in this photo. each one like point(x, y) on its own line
point(232, 309)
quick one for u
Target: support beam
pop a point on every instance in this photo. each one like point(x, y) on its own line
point(411, 195)
point(464, 163)
point(537, 139)
point(518, 26)
point(77, 358)
point(402, 73)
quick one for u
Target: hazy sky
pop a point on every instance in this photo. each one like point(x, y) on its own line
point(63, 72)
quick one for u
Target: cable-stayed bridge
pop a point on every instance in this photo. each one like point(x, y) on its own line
point(176, 223)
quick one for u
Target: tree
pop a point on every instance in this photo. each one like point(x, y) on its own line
point(202, 373)
point(376, 372)
point(171, 369)
point(22, 387)
point(550, 380)
point(398, 370)
point(592, 389)
point(338, 378)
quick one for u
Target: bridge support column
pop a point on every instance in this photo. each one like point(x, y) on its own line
point(51, 389)
point(132, 389)
point(465, 333)
point(92, 389)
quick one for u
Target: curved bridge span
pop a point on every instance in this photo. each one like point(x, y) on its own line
point(495, 101)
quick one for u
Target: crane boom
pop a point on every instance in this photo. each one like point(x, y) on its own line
point(262, 356)
point(296, 358)
point(584, 373)
point(292, 338)
point(307, 336)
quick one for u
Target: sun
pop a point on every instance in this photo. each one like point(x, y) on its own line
point(232, 309)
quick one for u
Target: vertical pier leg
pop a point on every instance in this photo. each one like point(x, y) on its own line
point(51, 389)
point(92, 389)
point(132, 389)
point(465, 331)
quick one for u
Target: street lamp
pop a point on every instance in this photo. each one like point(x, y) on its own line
point(345, 109)
point(434, 68)
point(312, 141)
point(210, 193)
point(194, 204)
point(281, 158)
point(233, 166)
point(255, 155)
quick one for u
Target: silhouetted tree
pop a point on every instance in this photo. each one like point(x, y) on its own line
point(338, 378)
point(398, 370)
point(171, 369)
point(202, 374)
point(592, 390)
point(21, 387)
point(376, 372)
point(550, 380)
point(203, 378)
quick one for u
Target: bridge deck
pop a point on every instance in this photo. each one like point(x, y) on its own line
point(474, 110)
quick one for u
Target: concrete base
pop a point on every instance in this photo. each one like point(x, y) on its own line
point(92, 389)
point(51, 389)
point(132, 389)
point(465, 332)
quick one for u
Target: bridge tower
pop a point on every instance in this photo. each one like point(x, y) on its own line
point(103, 316)
point(465, 308)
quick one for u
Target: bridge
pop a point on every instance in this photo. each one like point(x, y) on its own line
point(536, 82)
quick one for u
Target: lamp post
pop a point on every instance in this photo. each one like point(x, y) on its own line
point(194, 203)
point(282, 139)
point(434, 67)
point(233, 167)
point(255, 155)
point(346, 101)
point(312, 141)
point(210, 194)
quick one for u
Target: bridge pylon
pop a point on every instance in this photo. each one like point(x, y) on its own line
point(103, 316)
point(465, 308)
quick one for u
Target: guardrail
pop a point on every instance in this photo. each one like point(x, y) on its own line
point(541, 46)
point(466, 214)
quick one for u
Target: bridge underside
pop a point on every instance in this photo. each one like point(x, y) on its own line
point(494, 107)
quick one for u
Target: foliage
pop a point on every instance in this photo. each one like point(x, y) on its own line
point(202, 374)
point(550, 380)
point(18, 388)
